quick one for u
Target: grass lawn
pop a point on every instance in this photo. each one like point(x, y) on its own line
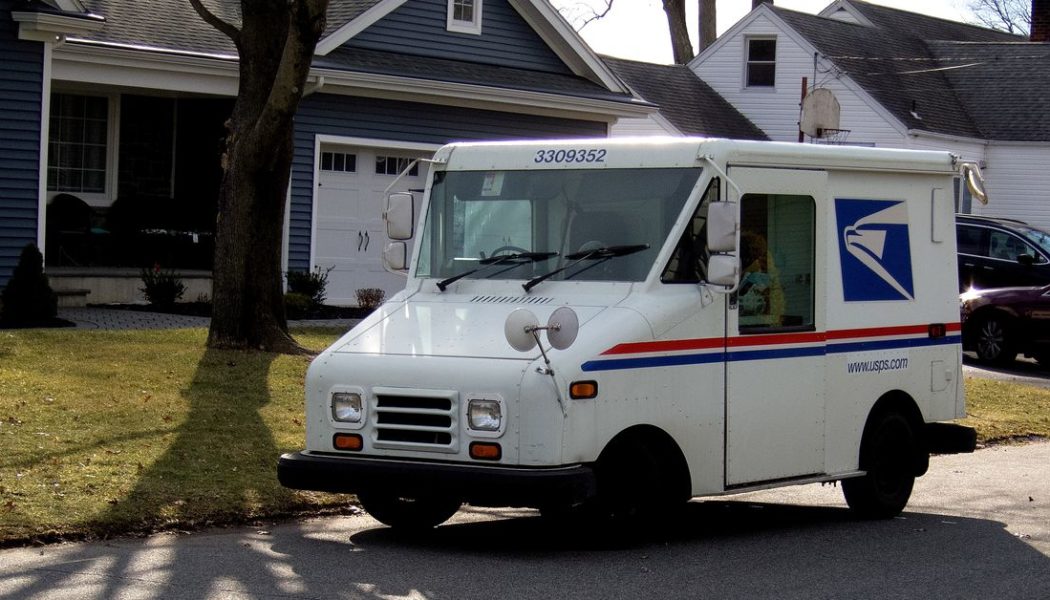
point(108, 432)
point(117, 432)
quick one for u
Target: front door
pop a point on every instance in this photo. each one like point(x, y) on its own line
point(774, 329)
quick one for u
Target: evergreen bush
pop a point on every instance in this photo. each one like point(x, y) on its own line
point(28, 298)
point(312, 284)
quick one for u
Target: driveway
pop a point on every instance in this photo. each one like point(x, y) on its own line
point(977, 527)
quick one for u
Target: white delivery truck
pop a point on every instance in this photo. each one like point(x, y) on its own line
point(624, 325)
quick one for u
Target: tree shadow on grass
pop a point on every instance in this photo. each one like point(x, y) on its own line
point(220, 467)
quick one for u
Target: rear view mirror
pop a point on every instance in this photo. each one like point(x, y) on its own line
point(399, 216)
point(395, 256)
point(722, 224)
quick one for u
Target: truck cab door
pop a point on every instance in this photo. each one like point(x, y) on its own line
point(775, 353)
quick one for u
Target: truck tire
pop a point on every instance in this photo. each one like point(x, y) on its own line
point(638, 484)
point(887, 453)
point(408, 513)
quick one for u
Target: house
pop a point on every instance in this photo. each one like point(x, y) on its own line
point(116, 111)
point(901, 80)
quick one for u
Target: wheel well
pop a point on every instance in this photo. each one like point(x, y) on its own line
point(900, 402)
point(659, 443)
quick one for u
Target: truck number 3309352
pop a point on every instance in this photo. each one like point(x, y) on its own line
point(583, 155)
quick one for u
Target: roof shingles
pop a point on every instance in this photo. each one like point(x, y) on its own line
point(691, 105)
point(935, 75)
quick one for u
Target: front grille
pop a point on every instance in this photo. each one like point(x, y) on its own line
point(415, 422)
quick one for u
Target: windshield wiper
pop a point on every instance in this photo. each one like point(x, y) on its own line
point(487, 263)
point(599, 255)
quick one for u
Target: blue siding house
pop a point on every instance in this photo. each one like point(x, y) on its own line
point(112, 122)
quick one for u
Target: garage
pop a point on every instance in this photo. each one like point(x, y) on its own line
point(349, 234)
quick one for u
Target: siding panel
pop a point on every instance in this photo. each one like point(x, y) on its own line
point(21, 89)
point(418, 28)
point(399, 122)
point(1017, 178)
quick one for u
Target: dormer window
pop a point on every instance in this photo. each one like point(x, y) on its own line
point(761, 68)
point(464, 16)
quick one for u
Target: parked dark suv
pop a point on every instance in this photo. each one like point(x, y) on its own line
point(995, 253)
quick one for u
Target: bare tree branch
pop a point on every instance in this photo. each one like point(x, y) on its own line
point(582, 14)
point(229, 30)
point(1013, 16)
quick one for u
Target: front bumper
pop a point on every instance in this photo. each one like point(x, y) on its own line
point(481, 485)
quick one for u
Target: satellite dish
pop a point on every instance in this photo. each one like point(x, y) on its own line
point(519, 327)
point(820, 111)
point(562, 328)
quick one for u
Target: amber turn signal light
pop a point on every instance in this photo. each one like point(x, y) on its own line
point(347, 441)
point(485, 451)
point(583, 390)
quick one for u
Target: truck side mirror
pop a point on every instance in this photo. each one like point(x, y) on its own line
point(399, 216)
point(395, 256)
point(722, 225)
point(724, 270)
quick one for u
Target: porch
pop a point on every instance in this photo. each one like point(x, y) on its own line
point(80, 286)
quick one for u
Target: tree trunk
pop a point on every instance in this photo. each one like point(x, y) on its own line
point(680, 44)
point(708, 24)
point(275, 44)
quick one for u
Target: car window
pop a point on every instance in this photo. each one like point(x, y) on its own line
point(1039, 238)
point(971, 240)
point(1005, 246)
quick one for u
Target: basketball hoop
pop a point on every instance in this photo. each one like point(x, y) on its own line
point(831, 136)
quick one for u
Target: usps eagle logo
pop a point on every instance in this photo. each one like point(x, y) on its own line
point(874, 250)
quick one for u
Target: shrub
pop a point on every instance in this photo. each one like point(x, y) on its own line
point(296, 305)
point(311, 284)
point(28, 297)
point(370, 298)
point(161, 288)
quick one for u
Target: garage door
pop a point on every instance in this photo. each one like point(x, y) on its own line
point(350, 234)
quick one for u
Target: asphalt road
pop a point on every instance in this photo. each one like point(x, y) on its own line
point(978, 526)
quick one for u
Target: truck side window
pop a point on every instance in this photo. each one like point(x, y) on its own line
point(688, 263)
point(777, 262)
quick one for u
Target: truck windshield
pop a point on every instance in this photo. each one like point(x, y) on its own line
point(552, 218)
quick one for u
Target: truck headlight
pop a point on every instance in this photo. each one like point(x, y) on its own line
point(347, 407)
point(484, 414)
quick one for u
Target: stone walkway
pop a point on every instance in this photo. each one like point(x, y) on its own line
point(109, 318)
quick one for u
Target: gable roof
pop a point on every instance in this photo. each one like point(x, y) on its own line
point(688, 103)
point(146, 26)
point(932, 74)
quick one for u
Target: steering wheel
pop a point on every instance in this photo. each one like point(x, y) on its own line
point(511, 249)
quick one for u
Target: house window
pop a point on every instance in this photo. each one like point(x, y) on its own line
point(339, 162)
point(77, 144)
point(390, 165)
point(464, 16)
point(761, 62)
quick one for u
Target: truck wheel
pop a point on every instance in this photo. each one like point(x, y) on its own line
point(637, 485)
point(994, 340)
point(408, 513)
point(888, 455)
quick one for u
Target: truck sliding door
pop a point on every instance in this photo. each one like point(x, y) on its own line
point(775, 329)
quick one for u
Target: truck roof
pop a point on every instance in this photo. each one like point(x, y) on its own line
point(685, 152)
